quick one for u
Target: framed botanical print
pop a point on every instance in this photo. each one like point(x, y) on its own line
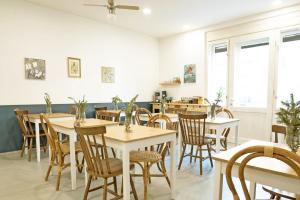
point(108, 74)
point(74, 67)
point(35, 69)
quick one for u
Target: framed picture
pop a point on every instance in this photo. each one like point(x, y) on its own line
point(74, 67)
point(190, 73)
point(108, 74)
point(35, 69)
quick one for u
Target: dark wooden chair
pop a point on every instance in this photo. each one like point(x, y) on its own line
point(100, 165)
point(28, 133)
point(59, 150)
point(193, 134)
point(288, 157)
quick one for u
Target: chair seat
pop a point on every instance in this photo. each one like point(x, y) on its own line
point(65, 147)
point(279, 192)
point(145, 156)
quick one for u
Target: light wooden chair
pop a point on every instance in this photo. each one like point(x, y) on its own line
point(276, 193)
point(98, 165)
point(145, 159)
point(59, 150)
point(193, 134)
point(226, 131)
point(288, 157)
point(139, 112)
point(28, 133)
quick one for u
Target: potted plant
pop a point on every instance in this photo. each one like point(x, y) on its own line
point(48, 103)
point(215, 104)
point(290, 116)
point(80, 106)
point(115, 101)
point(128, 113)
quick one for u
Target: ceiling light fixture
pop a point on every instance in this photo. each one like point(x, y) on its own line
point(276, 2)
point(147, 11)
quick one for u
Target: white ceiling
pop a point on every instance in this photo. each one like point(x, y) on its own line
point(168, 16)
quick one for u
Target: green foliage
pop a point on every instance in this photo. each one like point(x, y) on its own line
point(130, 105)
point(116, 100)
point(47, 99)
point(220, 94)
point(290, 114)
point(81, 105)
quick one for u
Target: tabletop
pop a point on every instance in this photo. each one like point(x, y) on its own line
point(50, 115)
point(267, 164)
point(89, 123)
point(118, 133)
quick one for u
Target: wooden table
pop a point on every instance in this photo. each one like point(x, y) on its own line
point(35, 118)
point(140, 137)
point(67, 127)
point(263, 170)
point(173, 117)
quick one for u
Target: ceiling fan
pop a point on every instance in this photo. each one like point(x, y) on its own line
point(111, 6)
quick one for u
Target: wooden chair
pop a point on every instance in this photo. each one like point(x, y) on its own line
point(110, 116)
point(28, 133)
point(226, 131)
point(145, 159)
point(59, 150)
point(98, 165)
point(288, 157)
point(276, 193)
point(139, 112)
point(72, 110)
point(193, 134)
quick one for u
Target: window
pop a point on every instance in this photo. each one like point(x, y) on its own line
point(217, 72)
point(289, 67)
point(250, 87)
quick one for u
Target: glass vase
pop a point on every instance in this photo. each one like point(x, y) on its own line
point(213, 112)
point(293, 137)
point(48, 109)
point(128, 122)
point(80, 115)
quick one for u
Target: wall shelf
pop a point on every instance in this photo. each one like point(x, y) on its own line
point(169, 84)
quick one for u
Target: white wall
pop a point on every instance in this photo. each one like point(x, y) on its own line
point(28, 30)
point(177, 51)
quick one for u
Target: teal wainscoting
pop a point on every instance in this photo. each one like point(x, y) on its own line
point(10, 134)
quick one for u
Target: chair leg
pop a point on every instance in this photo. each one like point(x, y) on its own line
point(87, 188)
point(272, 196)
point(105, 189)
point(209, 154)
point(200, 149)
point(164, 171)
point(133, 188)
point(50, 166)
point(113, 152)
point(197, 150)
point(115, 184)
point(181, 157)
point(23, 147)
point(145, 177)
point(191, 155)
point(30, 149)
point(60, 168)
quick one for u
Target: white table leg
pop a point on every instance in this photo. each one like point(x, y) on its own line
point(85, 174)
point(72, 160)
point(252, 190)
point(37, 141)
point(218, 140)
point(218, 181)
point(173, 168)
point(126, 181)
point(236, 139)
point(26, 145)
point(179, 143)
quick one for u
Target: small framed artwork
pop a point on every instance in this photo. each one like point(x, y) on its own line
point(74, 67)
point(190, 73)
point(108, 74)
point(35, 69)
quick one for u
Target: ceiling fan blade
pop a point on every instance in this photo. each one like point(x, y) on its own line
point(88, 4)
point(127, 7)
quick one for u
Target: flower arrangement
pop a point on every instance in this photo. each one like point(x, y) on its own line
point(81, 106)
point(48, 103)
point(128, 112)
point(115, 101)
point(290, 116)
point(215, 104)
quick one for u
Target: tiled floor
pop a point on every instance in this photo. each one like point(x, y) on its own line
point(23, 180)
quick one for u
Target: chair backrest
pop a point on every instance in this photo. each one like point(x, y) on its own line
point(100, 108)
point(228, 114)
point(139, 112)
point(72, 110)
point(96, 156)
point(108, 115)
point(176, 110)
point(158, 119)
point(192, 128)
point(278, 129)
point(51, 134)
point(23, 121)
point(288, 157)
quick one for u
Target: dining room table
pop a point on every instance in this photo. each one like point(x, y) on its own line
point(53, 117)
point(263, 170)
